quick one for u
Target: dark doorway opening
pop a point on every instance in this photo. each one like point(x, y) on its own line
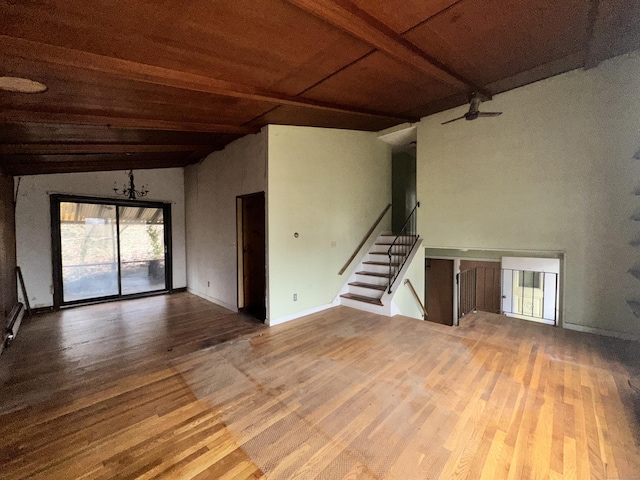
point(403, 188)
point(251, 254)
point(439, 290)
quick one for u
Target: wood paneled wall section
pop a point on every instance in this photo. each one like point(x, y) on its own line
point(488, 284)
point(8, 286)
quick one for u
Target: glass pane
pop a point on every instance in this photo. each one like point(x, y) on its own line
point(141, 249)
point(529, 279)
point(89, 250)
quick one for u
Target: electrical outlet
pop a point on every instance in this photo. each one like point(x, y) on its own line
point(295, 297)
point(333, 243)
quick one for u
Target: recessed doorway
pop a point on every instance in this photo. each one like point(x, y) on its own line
point(251, 238)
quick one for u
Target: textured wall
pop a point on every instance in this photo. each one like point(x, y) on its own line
point(211, 188)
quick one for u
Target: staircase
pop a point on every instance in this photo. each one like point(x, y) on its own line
point(371, 281)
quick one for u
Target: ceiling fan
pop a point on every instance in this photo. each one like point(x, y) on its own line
point(474, 110)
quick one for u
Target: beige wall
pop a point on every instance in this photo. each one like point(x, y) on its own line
point(554, 172)
point(33, 219)
point(328, 186)
point(211, 188)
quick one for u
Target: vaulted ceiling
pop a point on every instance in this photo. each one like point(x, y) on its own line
point(149, 83)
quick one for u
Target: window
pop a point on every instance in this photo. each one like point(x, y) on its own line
point(529, 279)
point(106, 249)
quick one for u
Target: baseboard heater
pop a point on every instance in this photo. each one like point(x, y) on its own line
point(13, 325)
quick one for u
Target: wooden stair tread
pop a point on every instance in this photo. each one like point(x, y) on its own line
point(397, 254)
point(397, 244)
point(374, 274)
point(393, 235)
point(360, 298)
point(368, 285)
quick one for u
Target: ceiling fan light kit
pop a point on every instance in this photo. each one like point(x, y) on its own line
point(474, 111)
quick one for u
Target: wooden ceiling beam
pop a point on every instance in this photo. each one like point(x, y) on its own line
point(546, 70)
point(41, 164)
point(79, 148)
point(41, 168)
point(348, 17)
point(56, 55)
point(590, 59)
point(48, 134)
point(27, 116)
point(613, 30)
point(101, 158)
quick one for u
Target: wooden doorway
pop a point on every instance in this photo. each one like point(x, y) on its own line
point(488, 286)
point(439, 290)
point(251, 254)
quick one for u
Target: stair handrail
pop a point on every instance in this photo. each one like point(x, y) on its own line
point(425, 314)
point(364, 240)
point(408, 230)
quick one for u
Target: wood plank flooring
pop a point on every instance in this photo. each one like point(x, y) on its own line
point(176, 387)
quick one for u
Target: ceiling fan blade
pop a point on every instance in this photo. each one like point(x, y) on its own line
point(489, 114)
point(454, 120)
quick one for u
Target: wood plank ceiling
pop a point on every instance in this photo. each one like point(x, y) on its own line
point(150, 84)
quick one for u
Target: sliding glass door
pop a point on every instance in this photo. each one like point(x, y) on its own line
point(89, 250)
point(141, 249)
point(108, 249)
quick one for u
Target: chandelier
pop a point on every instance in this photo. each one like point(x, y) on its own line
point(130, 191)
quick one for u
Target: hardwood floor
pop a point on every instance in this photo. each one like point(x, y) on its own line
point(176, 387)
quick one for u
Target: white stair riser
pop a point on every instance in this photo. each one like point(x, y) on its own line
point(385, 258)
point(376, 268)
point(365, 292)
point(372, 279)
point(391, 238)
point(385, 248)
point(347, 302)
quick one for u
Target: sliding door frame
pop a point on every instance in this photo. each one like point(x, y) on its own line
point(56, 247)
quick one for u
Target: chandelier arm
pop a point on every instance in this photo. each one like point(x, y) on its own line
point(131, 191)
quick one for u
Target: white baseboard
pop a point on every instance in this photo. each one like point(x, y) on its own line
point(294, 316)
point(601, 331)
point(233, 308)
